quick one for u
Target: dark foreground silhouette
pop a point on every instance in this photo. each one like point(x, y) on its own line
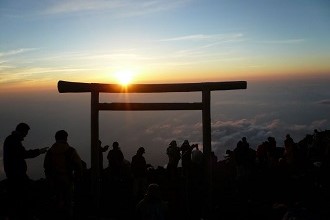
point(265, 182)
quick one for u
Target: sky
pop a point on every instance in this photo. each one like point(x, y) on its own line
point(281, 48)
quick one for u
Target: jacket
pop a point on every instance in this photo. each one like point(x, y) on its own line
point(14, 155)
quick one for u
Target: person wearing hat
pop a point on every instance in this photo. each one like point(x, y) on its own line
point(139, 171)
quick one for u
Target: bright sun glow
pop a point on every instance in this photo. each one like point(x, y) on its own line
point(124, 77)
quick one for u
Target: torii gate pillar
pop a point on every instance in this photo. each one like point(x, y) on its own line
point(96, 177)
point(206, 118)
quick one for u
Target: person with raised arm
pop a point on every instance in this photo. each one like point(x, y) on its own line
point(15, 166)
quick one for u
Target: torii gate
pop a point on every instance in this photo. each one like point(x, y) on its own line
point(96, 88)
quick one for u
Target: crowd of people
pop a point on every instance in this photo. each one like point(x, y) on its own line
point(269, 181)
point(290, 180)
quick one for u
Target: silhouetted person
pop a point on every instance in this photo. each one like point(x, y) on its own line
point(290, 151)
point(197, 162)
point(101, 151)
point(62, 164)
point(241, 156)
point(245, 161)
point(117, 184)
point(139, 171)
point(173, 153)
point(14, 155)
point(262, 155)
point(152, 207)
point(288, 140)
point(115, 158)
point(186, 150)
point(272, 153)
point(197, 155)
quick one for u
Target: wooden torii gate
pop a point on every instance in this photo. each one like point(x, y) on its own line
point(96, 106)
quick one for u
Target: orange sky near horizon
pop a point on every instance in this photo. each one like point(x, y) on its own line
point(255, 76)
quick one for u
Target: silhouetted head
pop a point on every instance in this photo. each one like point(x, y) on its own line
point(61, 135)
point(271, 139)
point(115, 145)
point(23, 129)
point(141, 150)
point(195, 146)
point(185, 142)
point(229, 153)
point(173, 143)
point(244, 139)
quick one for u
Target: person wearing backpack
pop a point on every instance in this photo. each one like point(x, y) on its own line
point(62, 166)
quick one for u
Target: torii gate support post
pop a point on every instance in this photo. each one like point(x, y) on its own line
point(206, 118)
point(95, 187)
point(96, 88)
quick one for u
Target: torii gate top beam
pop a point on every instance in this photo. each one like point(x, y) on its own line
point(77, 87)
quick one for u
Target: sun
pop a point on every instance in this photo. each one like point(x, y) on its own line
point(124, 77)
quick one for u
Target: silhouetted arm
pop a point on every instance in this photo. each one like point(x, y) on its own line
point(104, 149)
point(30, 153)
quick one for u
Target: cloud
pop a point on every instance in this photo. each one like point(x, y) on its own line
point(324, 102)
point(285, 41)
point(20, 65)
point(178, 129)
point(318, 124)
point(226, 133)
point(4, 65)
point(203, 37)
point(72, 6)
point(8, 60)
point(34, 74)
point(203, 48)
point(118, 8)
point(16, 52)
point(150, 7)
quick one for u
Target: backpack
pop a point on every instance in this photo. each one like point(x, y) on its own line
point(52, 162)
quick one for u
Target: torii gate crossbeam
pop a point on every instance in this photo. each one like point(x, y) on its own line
point(96, 88)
